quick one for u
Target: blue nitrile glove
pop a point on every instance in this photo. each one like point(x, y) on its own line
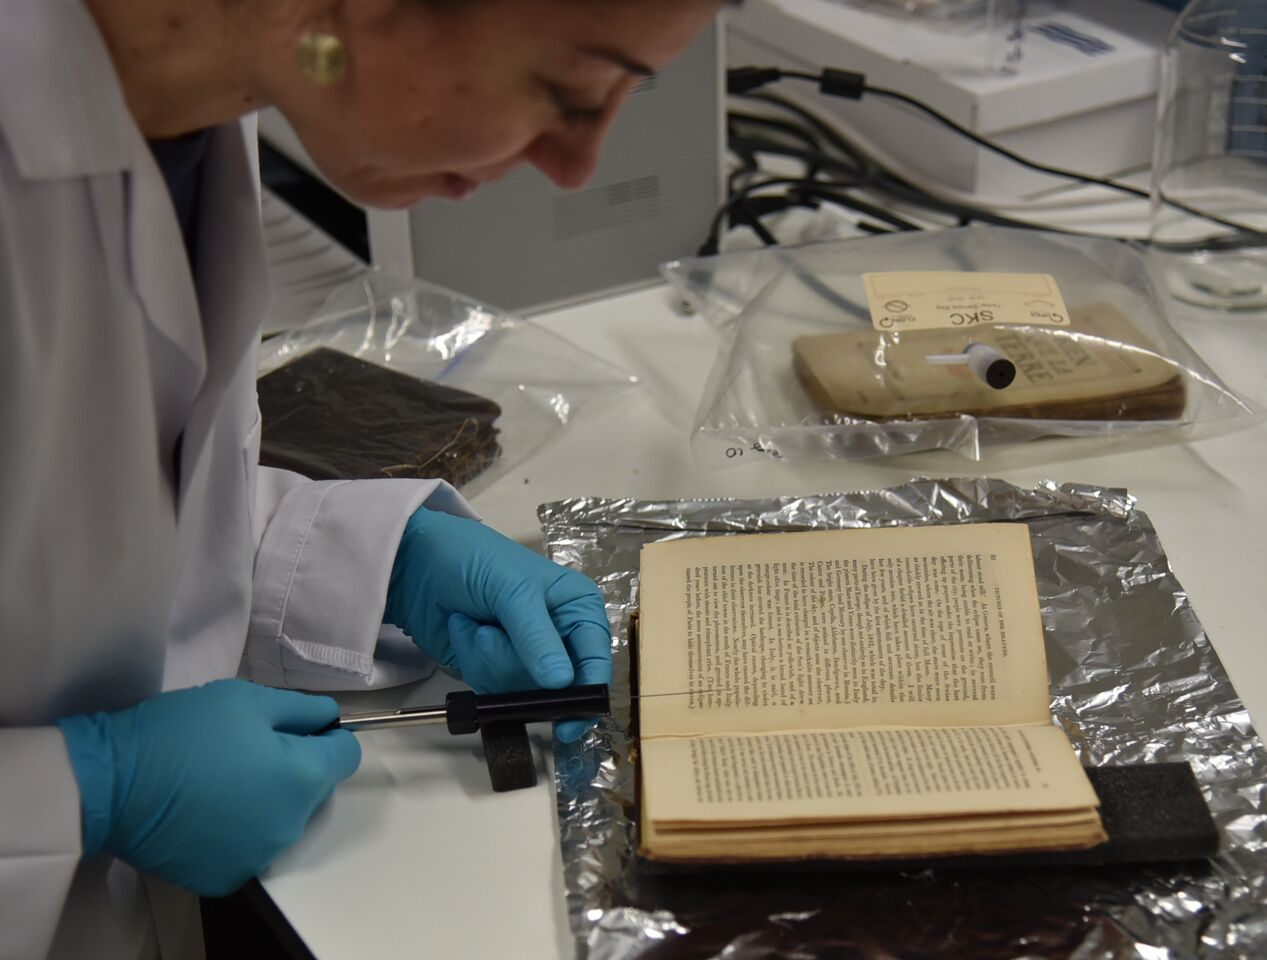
point(204, 787)
point(493, 611)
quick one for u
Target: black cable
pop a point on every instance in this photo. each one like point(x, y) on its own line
point(748, 216)
point(1003, 151)
point(829, 191)
point(830, 178)
point(893, 186)
point(709, 246)
point(835, 191)
point(858, 170)
point(866, 226)
point(823, 161)
point(773, 123)
point(872, 175)
point(856, 86)
point(745, 144)
point(909, 194)
point(865, 163)
point(853, 85)
point(965, 213)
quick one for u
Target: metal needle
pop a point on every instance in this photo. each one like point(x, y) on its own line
point(420, 716)
point(407, 717)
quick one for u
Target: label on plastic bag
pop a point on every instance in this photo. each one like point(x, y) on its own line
point(926, 300)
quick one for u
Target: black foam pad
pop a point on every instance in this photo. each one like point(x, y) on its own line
point(1151, 812)
point(509, 755)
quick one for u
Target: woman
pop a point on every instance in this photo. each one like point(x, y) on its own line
point(142, 553)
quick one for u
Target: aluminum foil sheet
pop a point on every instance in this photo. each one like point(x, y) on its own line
point(1133, 678)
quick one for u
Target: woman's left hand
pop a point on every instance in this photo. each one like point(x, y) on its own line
point(501, 616)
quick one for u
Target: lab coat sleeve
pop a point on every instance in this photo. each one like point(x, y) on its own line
point(39, 838)
point(323, 559)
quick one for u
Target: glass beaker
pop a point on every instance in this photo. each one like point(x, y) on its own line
point(1209, 186)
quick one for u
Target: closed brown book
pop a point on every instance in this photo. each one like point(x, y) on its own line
point(331, 416)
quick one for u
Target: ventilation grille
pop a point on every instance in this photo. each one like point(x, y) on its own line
point(611, 205)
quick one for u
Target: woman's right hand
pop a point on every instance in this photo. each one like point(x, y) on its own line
point(205, 787)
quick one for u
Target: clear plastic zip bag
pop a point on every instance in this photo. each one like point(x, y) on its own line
point(395, 377)
point(884, 346)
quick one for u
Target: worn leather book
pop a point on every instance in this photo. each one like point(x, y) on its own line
point(854, 694)
point(331, 416)
point(1099, 367)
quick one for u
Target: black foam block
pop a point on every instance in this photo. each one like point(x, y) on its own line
point(1152, 812)
point(509, 756)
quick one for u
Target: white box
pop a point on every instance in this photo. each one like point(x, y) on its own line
point(1082, 96)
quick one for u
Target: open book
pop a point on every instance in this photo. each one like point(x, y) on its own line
point(876, 693)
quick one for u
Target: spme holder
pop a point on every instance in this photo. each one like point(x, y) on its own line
point(499, 718)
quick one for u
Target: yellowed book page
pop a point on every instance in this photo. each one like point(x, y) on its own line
point(1023, 839)
point(930, 626)
point(861, 774)
point(917, 826)
point(987, 829)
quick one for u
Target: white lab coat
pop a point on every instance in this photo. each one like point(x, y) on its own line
point(121, 576)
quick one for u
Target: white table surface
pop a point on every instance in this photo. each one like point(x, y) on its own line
point(416, 857)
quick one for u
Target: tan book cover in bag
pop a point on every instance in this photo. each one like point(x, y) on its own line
point(1098, 367)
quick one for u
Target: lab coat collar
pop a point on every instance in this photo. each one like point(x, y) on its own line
point(61, 116)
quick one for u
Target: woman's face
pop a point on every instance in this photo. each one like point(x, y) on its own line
point(442, 95)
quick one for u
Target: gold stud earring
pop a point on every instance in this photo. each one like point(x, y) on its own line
point(322, 58)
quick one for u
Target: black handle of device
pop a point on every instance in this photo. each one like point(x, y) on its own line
point(466, 710)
